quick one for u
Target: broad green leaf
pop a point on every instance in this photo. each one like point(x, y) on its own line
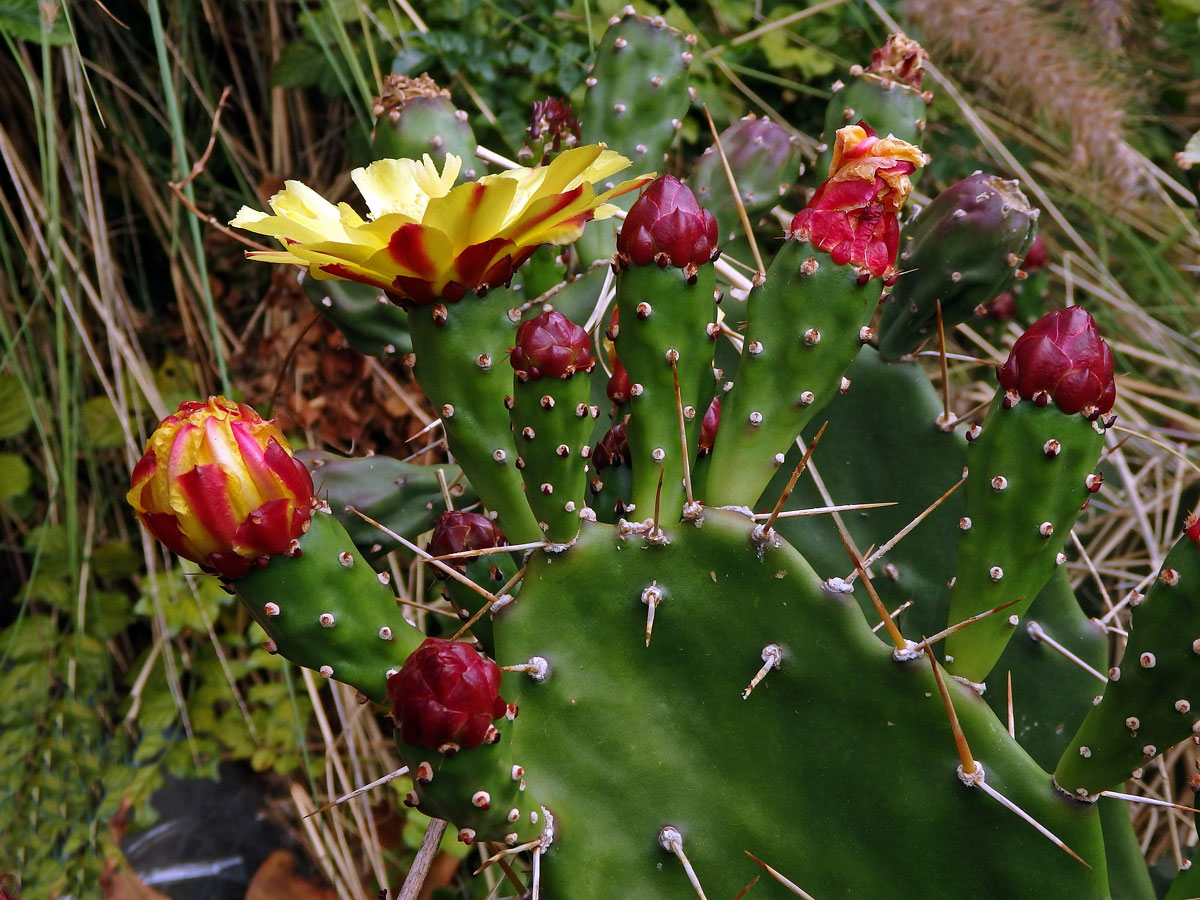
point(15, 414)
point(22, 19)
point(101, 425)
point(15, 476)
point(116, 559)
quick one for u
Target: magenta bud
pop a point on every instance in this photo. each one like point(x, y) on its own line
point(551, 346)
point(613, 449)
point(1036, 256)
point(446, 696)
point(1063, 355)
point(667, 225)
point(457, 531)
point(709, 425)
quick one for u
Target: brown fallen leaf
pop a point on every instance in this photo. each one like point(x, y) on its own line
point(276, 880)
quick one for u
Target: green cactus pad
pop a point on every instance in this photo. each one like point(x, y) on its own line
point(423, 125)
point(405, 498)
point(371, 324)
point(805, 325)
point(660, 312)
point(636, 100)
point(461, 365)
point(1029, 477)
point(327, 610)
point(889, 107)
point(1153, 697)
point(960, 251)
point(839, 749)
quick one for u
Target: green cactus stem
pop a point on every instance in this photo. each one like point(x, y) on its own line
point(886, 94)
point(460, 365)
point(805, 328)
point(1152, 700)
point(323, 607)
point(413, 116)
point(960, 251)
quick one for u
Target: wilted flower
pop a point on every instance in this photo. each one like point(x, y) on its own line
point(667, 225)
point(551, 346)
point(446, 696)
point(1061, 357)
point(853, 213)
point(425, 240)
point(218, 485)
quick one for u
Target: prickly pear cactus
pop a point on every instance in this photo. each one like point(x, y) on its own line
point(662, 675)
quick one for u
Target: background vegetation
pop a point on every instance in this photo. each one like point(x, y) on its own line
point(132, 130)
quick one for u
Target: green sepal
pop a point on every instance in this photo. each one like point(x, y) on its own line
point(1020, 505)
point(461, 365)
point(804, 330)
point(329, 577)
point(1152, 700)
point(458, 779)
point(661, 311)
point(552, 422)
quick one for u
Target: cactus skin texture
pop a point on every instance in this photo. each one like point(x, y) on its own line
point(637, 97)
point(1153, 696)
point(413, 116)
point(780, 764)
point(960, 251)
point(887, 93)
point(764, 158)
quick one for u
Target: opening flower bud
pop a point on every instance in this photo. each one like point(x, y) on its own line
point(613, 449)
point(446, 696)
point(218, 485)
point(1062, 354)
point(551, 346)
point(853, 215)
point(709, 425)
point(667, 225)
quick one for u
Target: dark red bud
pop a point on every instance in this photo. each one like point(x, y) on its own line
point(1191, 527)
point(709, 425)
point(457, 531)
point(667, 225)
point(1003, 307)
point(613, 449)
point(618, 386)
point(551, 346)
point(552, 128)
point(445, 696)
point(1036, 256)
point(1063, 354)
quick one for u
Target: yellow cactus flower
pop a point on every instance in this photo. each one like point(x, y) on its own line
point(424, 239)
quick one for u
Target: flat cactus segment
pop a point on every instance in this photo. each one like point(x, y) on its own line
point(1128, 875)
point(886, 95)
point(765, 160)
point(414, 117)
point(481, 791)
point(805, 325)
point(881, 445)
point(660, 312)
point(371, 324)
point(636, 100)
point(1031, 471)
point(325, 609)
point(461, 366)
point(1153, 697)
point(405, 498)
point(1051, 694)
point(960, 251)
point(621, 739)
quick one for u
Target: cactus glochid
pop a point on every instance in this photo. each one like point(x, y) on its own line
point(691, 653)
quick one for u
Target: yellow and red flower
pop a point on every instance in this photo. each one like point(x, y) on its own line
point(852, 215)
point(218, 485)
point(424, 239)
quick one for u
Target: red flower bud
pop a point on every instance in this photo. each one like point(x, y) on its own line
point(218, 485)
point(1002, 307)
point(552, 128)
point(1063, 355)
point(457, 531)
point(618, 386)
point(1036, 256)
point(445, 697)
point(852, 216)
point(613, 449)
point(552, 346)
point(709, 425)
point(667, 225)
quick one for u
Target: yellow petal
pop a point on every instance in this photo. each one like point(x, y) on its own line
point(404, 185)
point(472, 213)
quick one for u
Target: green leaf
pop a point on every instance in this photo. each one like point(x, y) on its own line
point(15, 476)
point(101, 424)
point(299, 66)
point(47, 545)
point(109, 614)
point(22, 19)
point(115, 560)
point(15, 414)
